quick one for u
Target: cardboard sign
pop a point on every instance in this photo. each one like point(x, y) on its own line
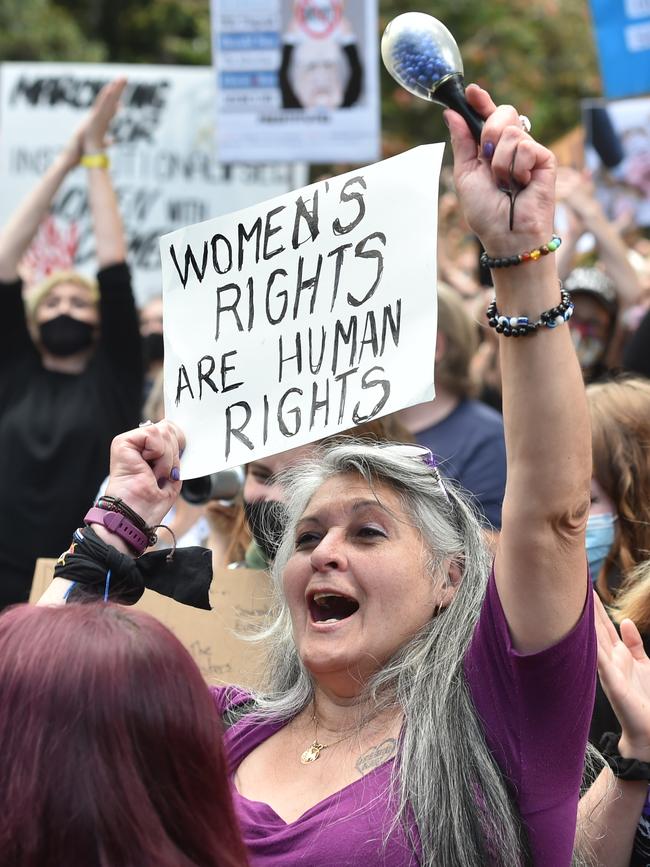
point(240, 599)
point(163, 163)
point(303, 316)
point(297, 79)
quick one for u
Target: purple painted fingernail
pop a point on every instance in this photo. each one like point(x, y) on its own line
point(488, 150)
point(175, 474)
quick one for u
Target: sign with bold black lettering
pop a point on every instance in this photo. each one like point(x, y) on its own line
point(163, 160)
point(302, 316)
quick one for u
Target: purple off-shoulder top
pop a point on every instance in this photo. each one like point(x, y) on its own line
point(535, 711)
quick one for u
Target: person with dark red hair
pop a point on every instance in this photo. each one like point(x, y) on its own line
point(110, 743)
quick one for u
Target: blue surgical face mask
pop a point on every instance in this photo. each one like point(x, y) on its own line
point(600, 538)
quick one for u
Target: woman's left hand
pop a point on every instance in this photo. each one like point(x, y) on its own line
point(507, 158)
point(91, 136)
point(624, 672)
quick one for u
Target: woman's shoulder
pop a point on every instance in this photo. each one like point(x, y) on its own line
point(229, 698)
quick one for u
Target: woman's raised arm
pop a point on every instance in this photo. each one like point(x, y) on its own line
point(610, 810)
point(22, 226)
point(144, 472)
point(110, 243)
point(89, 138)
point(540, 565)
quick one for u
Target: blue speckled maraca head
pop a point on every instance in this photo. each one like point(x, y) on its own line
point(419, 52)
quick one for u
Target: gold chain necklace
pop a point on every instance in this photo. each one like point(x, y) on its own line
point(313, 751)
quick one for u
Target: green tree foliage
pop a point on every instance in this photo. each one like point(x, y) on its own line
point(147, 31)
point(536, 54)
point(40, 30)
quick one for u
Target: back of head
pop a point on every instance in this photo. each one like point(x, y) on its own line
point(110, 743)
point(461, 341)
point(620, 423)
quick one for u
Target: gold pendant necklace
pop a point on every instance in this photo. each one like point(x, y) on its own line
point(313, 751)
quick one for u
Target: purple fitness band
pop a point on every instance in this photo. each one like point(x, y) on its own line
point(116, 523)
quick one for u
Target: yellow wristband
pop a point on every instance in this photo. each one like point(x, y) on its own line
point(95, 161)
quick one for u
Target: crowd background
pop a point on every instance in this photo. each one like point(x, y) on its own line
point(539, 57)
point(605, 263)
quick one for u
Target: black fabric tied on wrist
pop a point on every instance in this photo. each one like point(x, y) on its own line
point(632, 770)
point(185, 578)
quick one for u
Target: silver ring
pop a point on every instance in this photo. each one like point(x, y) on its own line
point(526, 125)
point(145, 423)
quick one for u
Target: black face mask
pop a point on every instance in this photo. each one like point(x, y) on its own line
point(66, 335)
point(267, 521)
point(153, 347)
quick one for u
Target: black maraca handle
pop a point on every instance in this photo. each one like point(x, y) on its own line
point(451, 93)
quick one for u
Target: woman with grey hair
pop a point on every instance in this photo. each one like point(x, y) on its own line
point(420, 708)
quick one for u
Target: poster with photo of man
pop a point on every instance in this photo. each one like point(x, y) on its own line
point(297, 79)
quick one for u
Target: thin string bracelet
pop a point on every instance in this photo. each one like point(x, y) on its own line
point(107, 585)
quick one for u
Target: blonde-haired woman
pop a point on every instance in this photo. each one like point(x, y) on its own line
point(70, 369)
point(620, 423)
point(618, 530)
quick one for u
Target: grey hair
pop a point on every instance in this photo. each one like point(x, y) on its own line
point(446, 778)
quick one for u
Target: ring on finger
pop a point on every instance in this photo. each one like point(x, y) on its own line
point(526, 125)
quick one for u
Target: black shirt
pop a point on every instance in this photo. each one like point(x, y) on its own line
point(56, 429)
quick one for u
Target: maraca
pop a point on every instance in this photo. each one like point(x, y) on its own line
point(422, 55)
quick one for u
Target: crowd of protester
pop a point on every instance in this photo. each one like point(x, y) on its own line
point(431, 652)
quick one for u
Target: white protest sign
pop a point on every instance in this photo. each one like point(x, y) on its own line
point(297, 79)
point(303, 316)
point(163, 164)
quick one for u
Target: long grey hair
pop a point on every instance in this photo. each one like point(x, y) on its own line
point(446, 778)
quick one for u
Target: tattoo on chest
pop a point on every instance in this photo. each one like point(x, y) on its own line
point(376, 756)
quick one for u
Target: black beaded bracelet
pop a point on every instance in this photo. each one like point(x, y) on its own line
point(624, 769)
point(520, 258)
point(519, 326)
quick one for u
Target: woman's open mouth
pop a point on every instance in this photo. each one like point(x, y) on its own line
point(331, 607)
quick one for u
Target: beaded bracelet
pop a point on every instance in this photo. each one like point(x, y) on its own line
point(517, 259)
point(519, 326)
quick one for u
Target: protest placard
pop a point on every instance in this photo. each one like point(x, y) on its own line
point(297, 79)
point(240, 600)
point(163, 163)
point(303, 316)
point(622, 30)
